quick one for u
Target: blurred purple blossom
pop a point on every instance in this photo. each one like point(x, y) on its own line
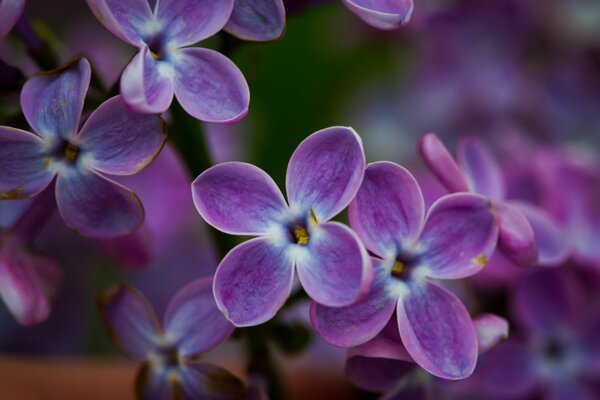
point(10, 11)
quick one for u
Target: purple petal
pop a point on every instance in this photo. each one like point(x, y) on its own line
point(24, 168)
point(154, 384)
point(258, 20)
point(96, 206)
point(189, 21)
point(588, 341)
point(134, 251)
point(130, 321)
point(147, 85)
point(120, 141)
point(459, 236)
point(482, 171)
point(387, 212)
point(238, 198)
point(382, 14)
point(325, 172)
point(516, 237)
point(52, 101)
point(126, 19)
point(336, 271)
point(10, 11)
point(209, 382)
point(376, 374)
point(210, 87)
point(252, 282)
point(437, 331)
point(193, 321)
point(441, 163)
point(491, 329)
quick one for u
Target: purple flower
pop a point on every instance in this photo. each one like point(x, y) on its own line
point(382, 14)
point(10, 11)
point(255, 278)
point(192, 325)
point(527, 234)
point(207, 84)
point(257, 20)
point(113, 140)
point(454, 240)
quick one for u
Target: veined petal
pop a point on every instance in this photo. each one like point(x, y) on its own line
point(336, 270)
point(441, 163)
point(209, 382)
point(437, 331)
point(10, 11)
point(24, 162)
point(257, 20)
point(388, 210)
point(491, 329)
point(147, 84)
point(382, 14)
point(252, 282)
point(516, 237)
point(210, 87)
point(189, 21)
point(129, 320)
point(459, 236)
point(325, 172)
point(96, 206)
point(193, 322)
point(238, 198)
point(129, 20)
point(483, 173)
point(121, 141)
point(52, 101)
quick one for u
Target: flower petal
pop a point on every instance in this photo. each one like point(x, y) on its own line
point(258, 20)
point(490, 329)
point(441, 163)
point(252, 282)
point(238, 198)
point(382, 14)
point(516, 237)
point(325, 172)
point(569, 387)
point(129, 320)
point(459, 236)
point(147, 85)
point(483, 173)
point(126, 19)
point(95, 206)
point(210, 87)
point(24, 168)
point(193, 321)
point(588, 341)
point(376, 374)
point(154, 384)
point(121, 141)
point(133, 251)
point(336, 271)
point(209, 382)
point(189, 21)
point(437, 331)
point(52, 101)
point(388, 210)
point(10, 11)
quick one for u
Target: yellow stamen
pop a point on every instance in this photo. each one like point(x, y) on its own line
point(481, 261)
point(154, 55)
point(397, 268)
point(313, 217)
point(301, 235)
point(71, 152)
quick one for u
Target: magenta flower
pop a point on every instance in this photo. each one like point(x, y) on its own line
point(207, 84)
point(382, 14)
point(528, 235)
point(453, 241)
point(192, 325)
point(255, 278)
point(257, 20)
point(113, 140)
point(10, 11)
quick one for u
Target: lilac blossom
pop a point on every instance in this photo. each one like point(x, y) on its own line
point(454, 240)
point(382, 14)
point(255, 278)
point(113, 140)
point(257, 20)
point(192, 325)
point(207, 84)
point(10, 11)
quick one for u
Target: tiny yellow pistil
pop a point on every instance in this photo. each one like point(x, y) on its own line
point(301, 235)
point(154, 55)
point(71, 152)
point(397, 268)
point(313, 217)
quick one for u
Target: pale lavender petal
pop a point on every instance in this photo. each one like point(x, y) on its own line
point(325, 172)
point(376, 374)
point(129, 20)
point(482, 171)
point(441, 163)
point(120, 141)
point(252, 282)
point(336, 270)
point(147, 84)
point(209, 382)
point(516, 237)
point(210, 87)
point(23, 164)
point(459, 236)
point(10, 11)
point(192, 320)
point(437, 331)
point(96, 206)
point(130, 321)
point(52, 101)
point(491, 329)
point(388, 210)
point(189, 21)
point(382, 14)
point(258, 20)
point(238, 198)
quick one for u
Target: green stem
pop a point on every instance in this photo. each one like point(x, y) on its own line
point(261, 363)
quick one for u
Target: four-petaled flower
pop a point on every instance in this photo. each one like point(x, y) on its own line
point(256, 277)
point(453, 241)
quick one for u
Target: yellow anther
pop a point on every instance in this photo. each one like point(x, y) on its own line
point(313, 217)
point(154, 55)
point(71, 152)
point(301, 235)
point(481, 261)
point(397, 268)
